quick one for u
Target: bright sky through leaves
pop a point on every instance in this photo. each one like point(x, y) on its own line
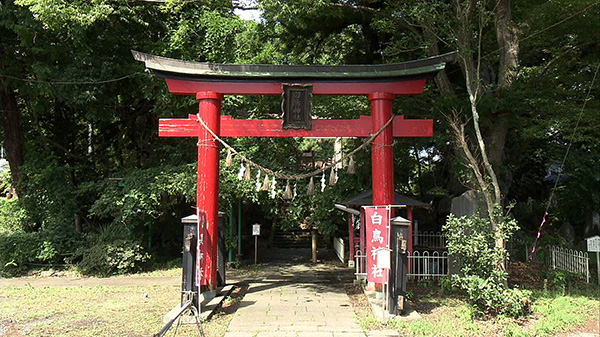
point(248, 14)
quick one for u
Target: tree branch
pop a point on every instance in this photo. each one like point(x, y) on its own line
point(458, 132)
point(400, 21)
point(233, 5)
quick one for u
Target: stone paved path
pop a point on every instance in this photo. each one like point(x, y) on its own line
point(297, 301)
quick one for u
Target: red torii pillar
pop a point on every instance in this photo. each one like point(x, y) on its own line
point(382, 152)
point(207, 193)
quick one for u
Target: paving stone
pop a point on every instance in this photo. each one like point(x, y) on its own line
point(383, 333)
point(315, 334)
point(303, 309)
point(237, 334)
point(349, 334)
point(277, 334)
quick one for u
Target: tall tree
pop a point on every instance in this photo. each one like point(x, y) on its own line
point(15, 55)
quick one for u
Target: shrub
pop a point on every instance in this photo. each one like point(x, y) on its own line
point(472, 242)
point(490, 297)
point(445, 285)
point(18, 249)
point(12, 215)
point(109, 258)
point(518, 302)
point(563, 281)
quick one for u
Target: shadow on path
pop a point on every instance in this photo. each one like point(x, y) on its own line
point(291, 297)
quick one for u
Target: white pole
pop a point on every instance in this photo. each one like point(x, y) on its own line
point(598, 265)
point(255, 248)
point(384, 300)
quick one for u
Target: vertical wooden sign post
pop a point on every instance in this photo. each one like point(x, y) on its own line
point(255, 233)
point(384, 263)
point(593, 245)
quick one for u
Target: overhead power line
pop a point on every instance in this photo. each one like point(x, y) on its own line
point(562, 164)
point(30, 80)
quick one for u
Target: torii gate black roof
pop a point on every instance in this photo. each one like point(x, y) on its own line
point(366, 199)
point(173, 68)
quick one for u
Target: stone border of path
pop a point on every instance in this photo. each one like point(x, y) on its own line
point(377, 307)
point(209, 306)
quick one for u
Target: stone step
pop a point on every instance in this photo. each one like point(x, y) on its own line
point(209, 303)
point(295, 239)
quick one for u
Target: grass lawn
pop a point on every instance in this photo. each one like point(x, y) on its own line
point(86, 311)
point(136, 309)
point(97, 311)
point(553, 314)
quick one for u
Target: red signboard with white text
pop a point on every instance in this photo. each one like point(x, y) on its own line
point(377, 226)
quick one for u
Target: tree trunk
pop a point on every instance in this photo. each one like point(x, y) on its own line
point(441, 79)
point(13, 139)
point(78, 226)
point(508, 43)
point(467, 49)
point(495, 136)
point(314, 245)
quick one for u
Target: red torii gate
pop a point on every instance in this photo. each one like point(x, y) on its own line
point(209, 82)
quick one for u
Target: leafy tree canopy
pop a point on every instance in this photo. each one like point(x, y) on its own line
point(79, 112)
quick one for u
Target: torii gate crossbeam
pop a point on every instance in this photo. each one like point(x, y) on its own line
point(209, 82)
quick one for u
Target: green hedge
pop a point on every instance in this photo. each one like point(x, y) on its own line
point(117, 257)
point(18, 249)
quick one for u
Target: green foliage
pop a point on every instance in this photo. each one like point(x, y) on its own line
point(564, 282)
point(314, 210)
point(489, 296)
point(555, 77)
point(559, 280)
point(141, 195)
point(113, 257)
point(5, 179)
point(50, 199)
point(472, 241)
point(19, 249)
point(12, 215)
point(108, 251)
point(16, 249)
point(52, 244)
point(445, 285)
point(514, 330)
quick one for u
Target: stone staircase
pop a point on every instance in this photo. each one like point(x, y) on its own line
point(295, 238)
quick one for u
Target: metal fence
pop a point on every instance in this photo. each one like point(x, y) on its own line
point(429, 239)
point(570, 260)
point(421, 265)
point(427, 265)
point(360, 265)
